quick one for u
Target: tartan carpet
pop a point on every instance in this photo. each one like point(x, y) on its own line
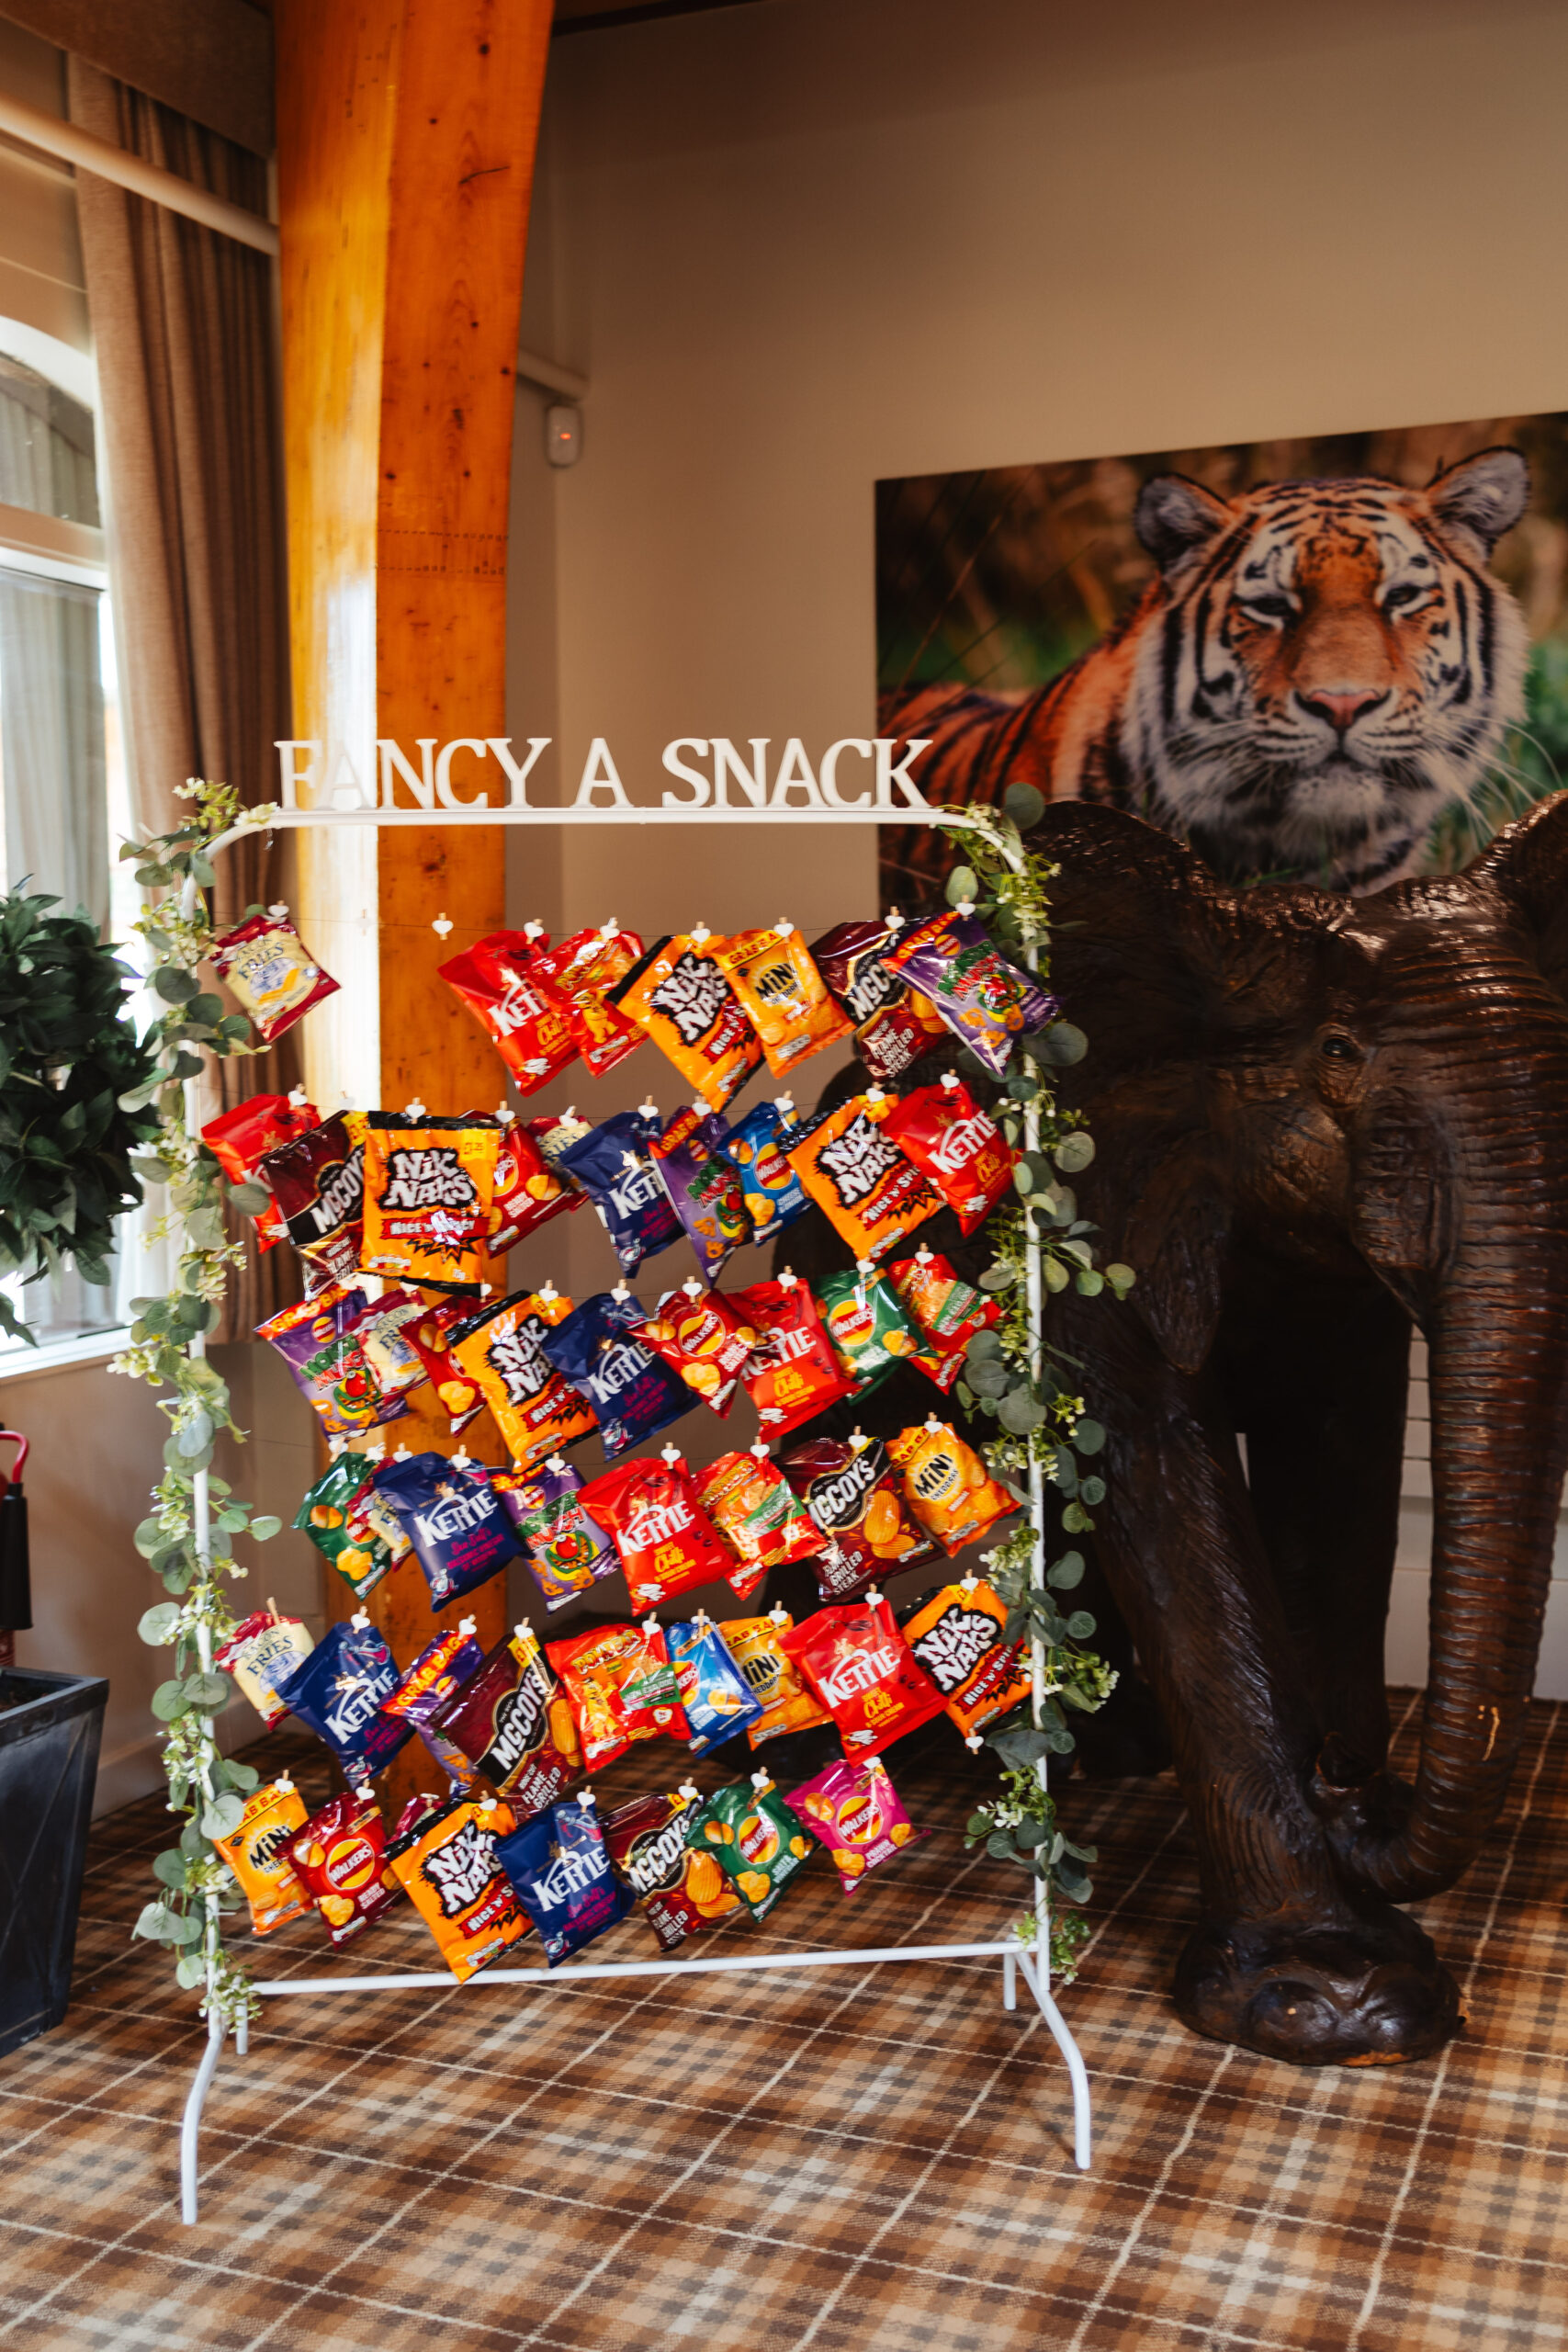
point(851, 2160)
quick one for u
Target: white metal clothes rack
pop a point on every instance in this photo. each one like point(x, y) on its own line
point(1034, 1957)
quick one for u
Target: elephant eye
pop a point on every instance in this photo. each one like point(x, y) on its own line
point(1337, 1047)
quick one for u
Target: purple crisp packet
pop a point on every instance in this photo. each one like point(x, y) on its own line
point(613, 1166)
point(454, 1519)
point(985, 1001)
point(440, 1669)
point(632, 1393)
point(704, 1187)
point(566, 1551)
point(338, 1690)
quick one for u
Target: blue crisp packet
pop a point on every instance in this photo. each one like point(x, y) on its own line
point(559, 1865)
point(757, 1144)
point(454, 1519)
point(614, 1168)
point(717, 1700)
point(632, 1393)
point(338, 1690)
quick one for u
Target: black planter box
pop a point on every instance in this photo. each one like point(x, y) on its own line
point(50, 1728)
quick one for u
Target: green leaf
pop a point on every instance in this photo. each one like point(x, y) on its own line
point(991, 1378)
point(169, 1701)
point(983, 1346)
point(1089, 1284)
point(1092, 1491)
point(1030, 1834)
point(998, 1278)
point(148, 1537)
point(1020, 1748)
point(175, 983)
point(999, 1845)
point(963, 884)
point(1120, 1277)
point(1019, 1413)
point(1024, 805)
point(156, 1625)
point(1080, 1625)
point(1066, 1572)
point(223, 1815)
point(209, 1691)
point(1074, 1153)
point(190, 1969)
point(1075, 1519)
point(251, 1198)
point(240, 1776)
point(265, 1528)
point(1090, 1436)
point(170, 1866)
point(1056, 1273)
point(195, 1435)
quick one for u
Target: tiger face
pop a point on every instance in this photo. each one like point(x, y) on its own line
point(1329, 664)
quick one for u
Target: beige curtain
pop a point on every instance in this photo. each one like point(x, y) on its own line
point(182, 325)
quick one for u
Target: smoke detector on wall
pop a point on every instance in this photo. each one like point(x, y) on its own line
point(563, 435)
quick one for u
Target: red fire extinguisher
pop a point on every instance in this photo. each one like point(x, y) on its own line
point(16, 1595)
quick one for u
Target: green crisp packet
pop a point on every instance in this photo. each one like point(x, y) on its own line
point(871, 1330)
point(350, 1525)
point(755, 1838)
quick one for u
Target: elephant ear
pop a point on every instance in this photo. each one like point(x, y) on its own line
point(1527, 866)
point(1169, 975)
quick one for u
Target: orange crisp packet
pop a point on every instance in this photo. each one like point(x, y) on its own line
point(449, 1867)
point(537, 1409)
point(257, 1853)
point(756, 1646)
point(959, 1636)
point(773, 975)
point(871, 1193)
point(678, 994)
point(428, 1188)
point(946, 1484)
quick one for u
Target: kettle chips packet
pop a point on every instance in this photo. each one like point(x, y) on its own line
point(560, 1869)
point(667, 1542)
point(628, 1390)
point(862, 1671)
point(453, 1518)
point(337, 1692)
point(514, 1001)
point(771, 1192)
point(793, 1373)
point(959, 1151)
point(613, 1165)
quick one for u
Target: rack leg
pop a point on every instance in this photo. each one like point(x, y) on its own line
point(241, 2036)
point(1009, 1981)
point(190, 2125)
point(1083, 2145)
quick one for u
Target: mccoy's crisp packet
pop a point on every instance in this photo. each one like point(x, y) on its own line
point(985, 1001)
point(862, 1669)
point(947, 1486)
point(793, 1373)
point(240, 1139)
point(665, 1538)
point(513, 1724)
point(771, 1192)
point(453, 1875)
point(755, 1838)
point(856, 1811)
point(454, 1519)
point(716, 1697)
point(757, 1516)
point(339, 1857)
point(853, 1494)
point(959, 1151)
point(703, 1336)
point(756, 1644)
point(631, 1395)
point(680, 1889)
point(269, 969)
point(338, 1690)
point(772, 974)
point(429, 1187)
point(583, 968)
point(349, 1525)
point(501, 1350)
point(317, 1182)
point(613, 1164)
point(870, 1332)
point(678, 994)
point(261, 1654)
point(870, 1192)
point(947, 1310)
point(704, 1186)
point(320, 1339)
point(892, 1028)
point(257, 1853)
point(959, 1636)
point(561, 1866)
point(528, 1190)
point(519, 1008)
point(566, 1551)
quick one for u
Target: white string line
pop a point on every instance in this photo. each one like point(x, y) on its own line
point(1380, 2260)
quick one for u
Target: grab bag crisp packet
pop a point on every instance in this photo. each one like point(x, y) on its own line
point(793, 1373)
point(350, 1526)
point(665, 1538)
point(272, 972)
point(771, 1192)
point(566, 1551)
point(614, 1168)
point(514, 1725)
point(449, 1867)
point(339, 1857)
point(700, 1334)
point(632, 1396)
point(257, 1853)
point(947, 1310)
point(758, 1518)
point(958, 1636)
point(317, 1182)
point(985, 1001)
point(703, 1184)
point(862, 1669)
point(715, 1695)
point(947, 1486)
point(337, 1692)
point(680, 1890)
point(681, 997)
point(560, 1867)
point(240, 1139)
point(870, 1192)
point(520, 1009)
point(454, 1519)
point(755, 1838)
point(780, 987)
point(857, 1813)
point(957, 1148)
point(429, 1186)
point(756, 1644)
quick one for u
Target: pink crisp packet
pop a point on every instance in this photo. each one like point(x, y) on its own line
point(855, 1811)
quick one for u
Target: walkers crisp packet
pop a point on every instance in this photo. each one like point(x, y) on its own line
point(257, 1853)
point(870, 1192)
point(715, 1695)
point(870, 1331)
point(449, 1866)
point(772, 1194)
point(678, 994)
point(702, 1335)
point(528, 1190)
point(856, 1813)
point(339, 1857)
point(349, 1525)
point(755, 1838)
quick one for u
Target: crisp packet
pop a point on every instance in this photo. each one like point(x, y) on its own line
point(856, 1174)
point(680, 1890)
point(612, 1165)
point(527, 1020)
point(701, 1335)
point(870, 1331)
point(859, 1667)
point(704, 1187)
point(757, 1517)
point(560, 1867)
point(257, 1853)
point(338, 1690)
point(430, 1335)
point(527, 1191)
point(350, 1526)
point(793, 1375)
point(453, 1875)
point(985, 1001)
point(454, 1519)
point(443, 1665)
point(895, 1039)
point(771, 1192)
point(582, 969)
point(852, 1493)
point(665, 1538)
point(780, 987)
point(242, 1138)
point(715, 1695)
point(513, 1724)
point(947, 1310)
point(957, 1148)
point(855, 1811)
point(566, 1553)
point(946, 1484)
point(317, 1182)
point(501, 1348)
point(958, 1636)
point(341, 1859)
point(632, 1395)
point(755, 1838)
point(756, 1644)
point(622, 1689)
point(429, 1185)
point(890, 1031)
point(261, 1654)
point(681, 997)
point(321, 1340)
point(268, 967)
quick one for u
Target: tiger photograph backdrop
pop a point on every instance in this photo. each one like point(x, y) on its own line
point(1341, 660)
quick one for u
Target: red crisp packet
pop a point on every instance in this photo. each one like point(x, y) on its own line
point(757, 1517)
point(794, 1374)
point(339, 1857)
point(700, 1334)
point(242, 1138)
point(955, 1145)
point(947, 1310)
point(268, 967)
point(855, 1811)
point(585, 969)
point(623, 1688)
point(528, 1193)
point(527, 1021)
point(514, 1725)
point(852, 1492)
point(864, 1672)
point(427, 1334)
point(666, 1541)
